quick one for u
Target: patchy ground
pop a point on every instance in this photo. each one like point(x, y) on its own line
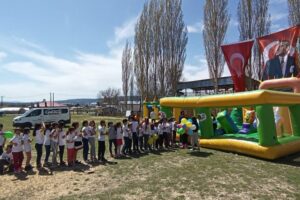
point(176, 174)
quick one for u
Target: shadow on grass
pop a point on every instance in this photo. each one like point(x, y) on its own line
point(293, 160)
point(202, 154)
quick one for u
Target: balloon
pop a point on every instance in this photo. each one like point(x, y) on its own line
point(190, 120)
point(193, 127)
point(189, 124)
point(8, 135)
point(183, 121)
point(150, 141)
point(190, 132)
point(155, 137)
point(183, 126)
point(179, 125)
point(180, 131)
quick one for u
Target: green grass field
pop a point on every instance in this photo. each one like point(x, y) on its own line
point(176, 174)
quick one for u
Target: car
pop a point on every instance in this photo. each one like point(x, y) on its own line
point(43, 115)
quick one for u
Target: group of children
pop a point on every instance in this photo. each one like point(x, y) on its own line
point(129, 137)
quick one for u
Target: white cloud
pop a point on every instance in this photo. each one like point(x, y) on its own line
point(196, 27)
point(199, 70)
point(126, 30)
point(279, 16)
point(3, 55)
point(82, 75)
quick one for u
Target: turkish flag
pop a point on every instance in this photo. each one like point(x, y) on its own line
point(269, 45)
point(237, 56)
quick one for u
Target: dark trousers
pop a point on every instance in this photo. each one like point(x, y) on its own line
point(111, 142)
point(1, 150)
point(174, 137)
point(141, 142)
point(135, 140)
point(85, 151)
point(101, 150)
point(185, 139)
point(125, 146)
point(3, 163)
point(166, 139)
point(47, 148)
point(39, 153)
point(61, 153)
point(160, 140)
point(146, 144)
point(129, 145)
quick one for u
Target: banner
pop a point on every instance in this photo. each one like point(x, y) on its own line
point(237, 56)
point(279, 53)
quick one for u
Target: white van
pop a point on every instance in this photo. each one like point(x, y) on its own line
point(46, 114)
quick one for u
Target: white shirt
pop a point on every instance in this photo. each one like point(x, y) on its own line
point(1, 138)
point(91, 132)
point(47, 137)
point(102, 131)
point(54, 135)
point(160, 129)
point(39, 137)
point(134, 126)
point(85, 132)
point(7, 157)
point(152, 115)
point(125, 131)
point(26, 144)
point(70, 140)
point(146, 129)
point(78, 137)
point(119, 133)
point(62, 138)
point(17, 139)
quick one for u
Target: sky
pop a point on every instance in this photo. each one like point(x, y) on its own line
point(74, 47)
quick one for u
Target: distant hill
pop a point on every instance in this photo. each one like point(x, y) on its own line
point(78, 101)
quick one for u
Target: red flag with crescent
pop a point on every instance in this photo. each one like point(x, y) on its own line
point(237, 56)
point(270, 45)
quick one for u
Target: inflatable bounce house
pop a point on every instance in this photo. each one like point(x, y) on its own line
point(151, 108)
point(262, 123)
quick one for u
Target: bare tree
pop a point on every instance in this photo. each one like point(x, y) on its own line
point(254, 21)
point(216, 21)
point(294, 12)
point(126, 70)
point(159, 48)
point(110, 96)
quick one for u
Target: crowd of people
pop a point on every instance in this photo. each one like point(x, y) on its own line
point(132, 136)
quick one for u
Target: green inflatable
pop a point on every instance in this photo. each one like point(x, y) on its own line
point(237, 116)
point(226, 122)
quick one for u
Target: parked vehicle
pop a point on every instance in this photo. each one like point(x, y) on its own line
point(46, 115)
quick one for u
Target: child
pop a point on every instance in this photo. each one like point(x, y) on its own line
point(2, 139)
point(54, 142)
point(135, 138)
point(173, 127)
point(70, 146)
point(61, 144)
point(141, 137)
point(195, 137)
point(85, 140)
point(160, 140)
point(129, 139)
point(112, 136)
point(6, 159)
point(78, 140)
point(125, 136)
point(92, 142)
point(101, 141)
point(27, 148)
point(119, 137)
point(146, 133)
point(47, 143)
point(39, 141)
point(17, 150)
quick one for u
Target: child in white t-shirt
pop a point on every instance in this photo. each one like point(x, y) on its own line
point(61, 144)
point(39, 142)
point(54, 142)
point(47, 143)
point(27, 148)
point(17, 150)
point(92, 139)
point(2, 139)
point(70, 139)
point(119, 137)
point(101, 141)
point(6, 159)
